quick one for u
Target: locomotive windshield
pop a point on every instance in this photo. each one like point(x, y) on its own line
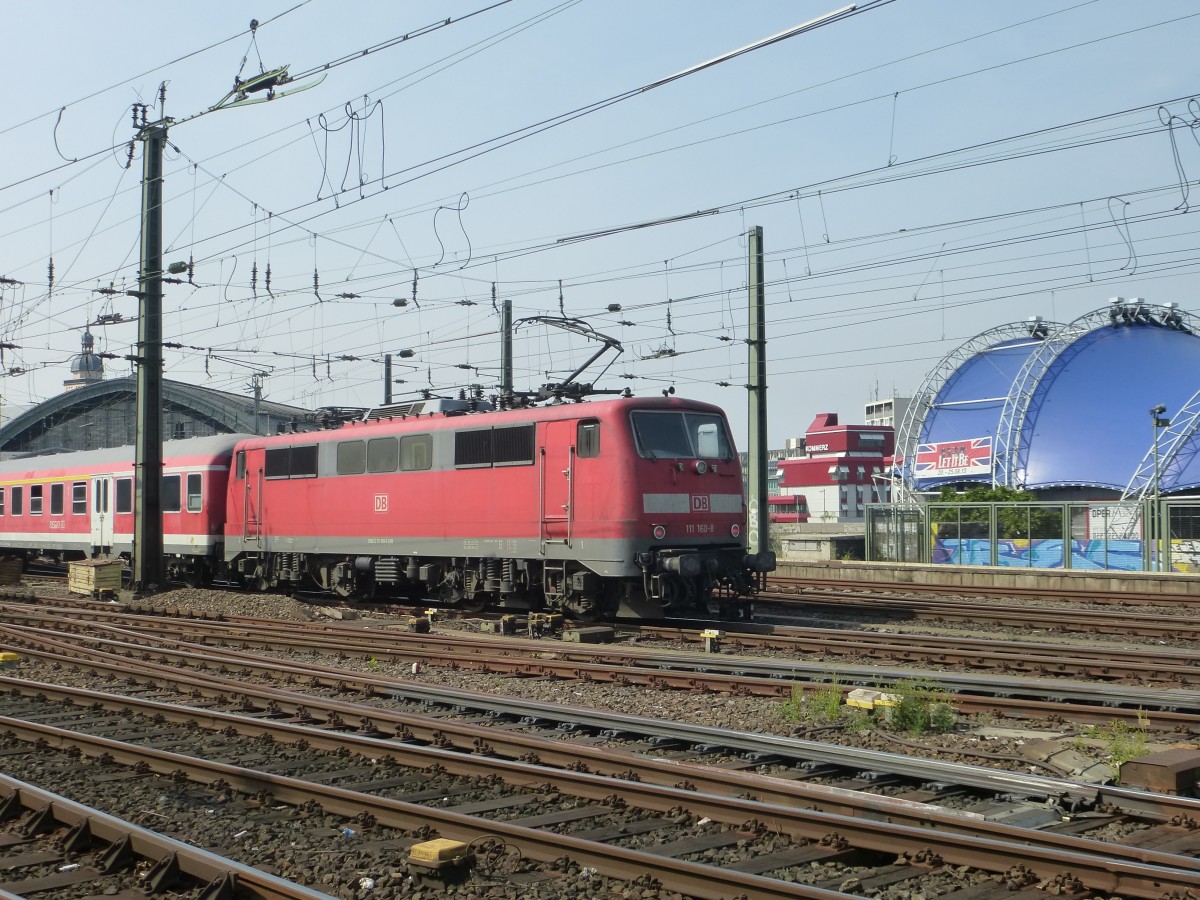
point(675, 435)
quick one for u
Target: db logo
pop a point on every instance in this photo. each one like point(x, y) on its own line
point(381, 501)
point(699, 502)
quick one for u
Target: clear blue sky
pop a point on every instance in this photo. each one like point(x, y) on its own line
point(923, 171)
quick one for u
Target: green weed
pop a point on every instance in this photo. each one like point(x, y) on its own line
point(922, 706)
point(1122, 741)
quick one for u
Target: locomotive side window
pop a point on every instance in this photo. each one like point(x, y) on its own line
point(587, 440)
point(79, 498)
point(512, 446)
point(193, 492)
point(383, 455)
point(124, 496)
point(291, 462)
point(303, 462)
point(497, 446)
point(416, 452)
point(18, 500)
point(239, 466)
point(57, 495)
point(351, 457)
point(35, 499)
point(170, 493)
point(2, 492)
point(472, 448)
point(277, 462)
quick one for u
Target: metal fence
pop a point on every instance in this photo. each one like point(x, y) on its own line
point(1146, 537)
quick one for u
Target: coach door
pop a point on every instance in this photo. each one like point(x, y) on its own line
point(102, 519)
point(558, 464)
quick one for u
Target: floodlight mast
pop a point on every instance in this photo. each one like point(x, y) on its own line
point(1159, 422)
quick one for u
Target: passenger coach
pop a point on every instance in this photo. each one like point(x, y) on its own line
point(77, 505)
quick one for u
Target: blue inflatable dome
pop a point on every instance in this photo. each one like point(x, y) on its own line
point(1092, 407)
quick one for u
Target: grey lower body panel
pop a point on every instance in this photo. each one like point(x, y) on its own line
point(607, 558)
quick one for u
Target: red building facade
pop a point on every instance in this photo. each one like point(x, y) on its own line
point(844, 467)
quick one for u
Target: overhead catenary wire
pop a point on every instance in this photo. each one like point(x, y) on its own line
point(680, 314)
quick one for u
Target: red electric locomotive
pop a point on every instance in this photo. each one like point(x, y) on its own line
point(628, 506)
point(77, 505)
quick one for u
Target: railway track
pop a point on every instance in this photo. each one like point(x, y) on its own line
point(889, 609)
point(52, 846)
point(220, 669)
point(783, 586)
point(1058, 699)
point(874, 841)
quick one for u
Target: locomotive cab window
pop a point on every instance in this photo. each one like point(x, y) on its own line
point(194, 499)
point(170, 493)
point(79, 498)
point(35, 499)
point(18, 500)
point(57, 496)
point(239, 465)
point(676, 435)
point(124, 495)
point(587, 440)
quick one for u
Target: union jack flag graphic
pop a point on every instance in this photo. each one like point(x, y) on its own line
point(969, 456)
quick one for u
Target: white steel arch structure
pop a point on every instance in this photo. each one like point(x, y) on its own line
point(1012, 434)
point(1175, 447)
point(909, 434)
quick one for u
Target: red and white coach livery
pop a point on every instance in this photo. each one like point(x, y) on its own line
point(627, 506)
point(77, 505)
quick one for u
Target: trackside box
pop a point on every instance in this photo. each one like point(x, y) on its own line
point(94, 577)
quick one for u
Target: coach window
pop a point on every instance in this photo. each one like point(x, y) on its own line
point(193, 492)
point(416, 452)
point(124, 496)
point(351, 457)
point(18, 500)
point(79, 498)
point(587, 440)
point(35, 499)
point(57, 494)
point(170, 493)
point(383, 455)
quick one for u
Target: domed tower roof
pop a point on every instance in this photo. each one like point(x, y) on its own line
point(86, 366)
